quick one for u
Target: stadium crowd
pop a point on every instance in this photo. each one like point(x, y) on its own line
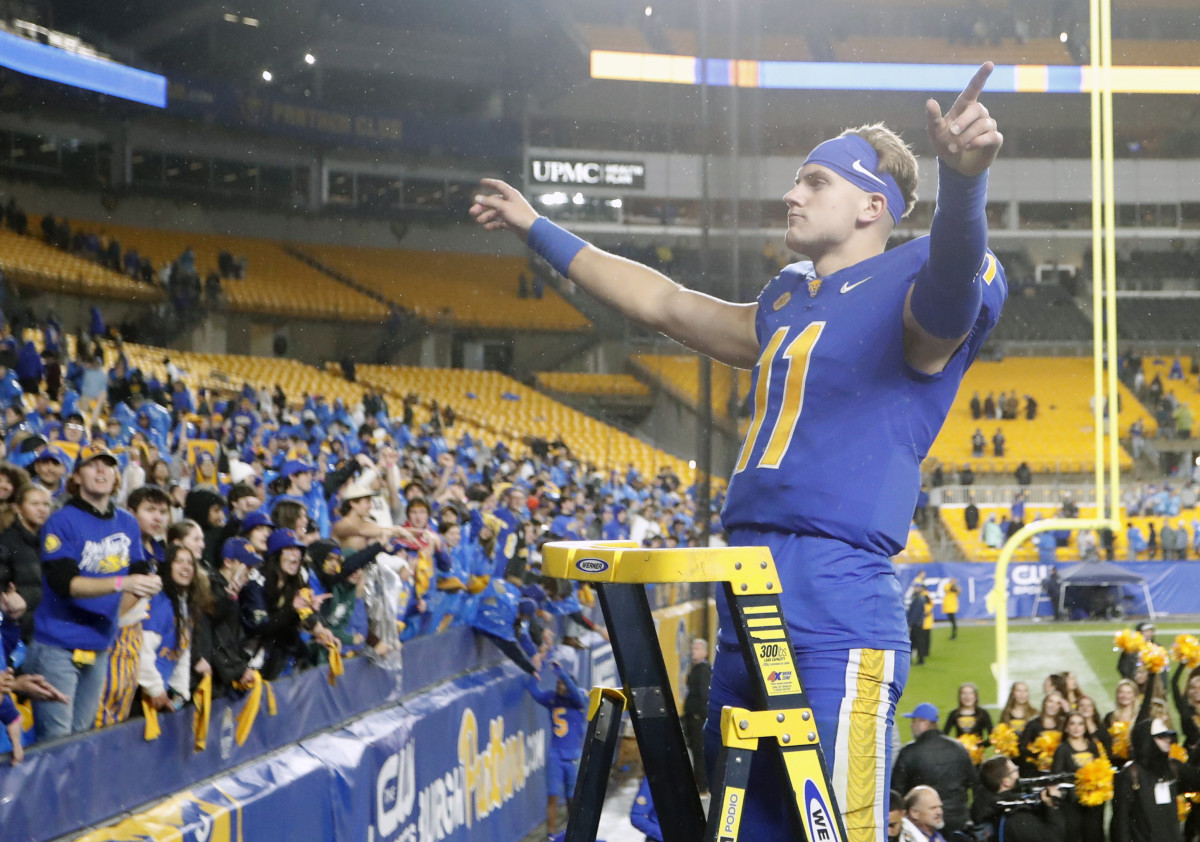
point(1057, 764)
point(155, 541)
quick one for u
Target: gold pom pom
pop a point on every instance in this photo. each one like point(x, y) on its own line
point(1119, 731)
point(1004, 740)
point(1187, 650)
point(1178, 752)
point(974, 747)
point(1094, 782)
point(1153, 657)
point(1128, 640)
point(1043, 748)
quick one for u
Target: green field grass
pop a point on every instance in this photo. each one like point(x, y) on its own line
point(970, 658)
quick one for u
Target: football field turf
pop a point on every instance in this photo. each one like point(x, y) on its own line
point(1035, 650)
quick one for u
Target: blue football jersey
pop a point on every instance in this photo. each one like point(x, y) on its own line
point(840, 421)
point(568, 716)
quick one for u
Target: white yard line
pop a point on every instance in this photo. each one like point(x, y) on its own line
point(1034, 655)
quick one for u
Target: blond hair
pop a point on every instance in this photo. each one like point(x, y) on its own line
point(896, 158)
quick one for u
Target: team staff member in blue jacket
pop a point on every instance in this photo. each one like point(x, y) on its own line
point(568, 720)
point(91, 554)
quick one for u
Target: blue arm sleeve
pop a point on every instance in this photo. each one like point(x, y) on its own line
point(947, 295)
point(574, 691)
point(442, 562)
point(8, 711)
point(526, 641)
point(543, 697)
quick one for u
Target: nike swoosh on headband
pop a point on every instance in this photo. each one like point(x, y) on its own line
point(859, 168)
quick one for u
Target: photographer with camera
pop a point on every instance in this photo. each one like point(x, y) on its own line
point(1010, 814)
point(1144, 791)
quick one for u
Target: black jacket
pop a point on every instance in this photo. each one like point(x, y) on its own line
point(1036, 823)
point(21, 563)
point(1138, 815)
point(698, 679)
point(226, 638)
point(196, 507)
point(943, 763)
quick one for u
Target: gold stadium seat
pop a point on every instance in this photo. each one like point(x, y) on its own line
point(275, 282)
point(471, 290)
point(679, 375)
point(917, 549)
point(1058, 440)
point(579, 383)
point(28, 261)
point(972, 547)
point(506, 409)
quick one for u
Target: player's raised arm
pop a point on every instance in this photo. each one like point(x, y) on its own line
point(946, 297)
point(720, 329)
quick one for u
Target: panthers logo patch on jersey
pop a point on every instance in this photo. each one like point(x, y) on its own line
point(51, 543)
point(781, 301)
point(109, 555)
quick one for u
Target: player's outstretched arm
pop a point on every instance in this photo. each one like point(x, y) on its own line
point(720, 329)
point(945, 300)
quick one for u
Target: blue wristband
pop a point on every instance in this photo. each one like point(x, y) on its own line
point(557, 246)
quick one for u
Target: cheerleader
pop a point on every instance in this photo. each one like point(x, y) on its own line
point(1017, 710)
point(1049, 718)
point(968, 717)
point(1085, 824)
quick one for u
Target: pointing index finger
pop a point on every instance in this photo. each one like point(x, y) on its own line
point(973, 90)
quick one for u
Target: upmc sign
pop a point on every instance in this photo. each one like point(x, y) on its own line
point(547, 171)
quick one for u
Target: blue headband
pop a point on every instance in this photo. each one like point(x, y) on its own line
point(856, 160)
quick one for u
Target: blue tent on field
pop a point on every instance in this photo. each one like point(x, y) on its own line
point(1100, 574)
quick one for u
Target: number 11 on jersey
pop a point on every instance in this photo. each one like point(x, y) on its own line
point(782, 410)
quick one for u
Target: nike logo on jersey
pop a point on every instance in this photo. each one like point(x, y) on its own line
point(859, 168)
point(846, 287)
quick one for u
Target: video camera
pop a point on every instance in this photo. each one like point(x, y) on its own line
point(1031, 791)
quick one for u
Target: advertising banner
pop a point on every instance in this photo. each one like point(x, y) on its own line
point(1174, 587)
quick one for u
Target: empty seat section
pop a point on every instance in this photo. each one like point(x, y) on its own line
point(1060, 439)
point(472, 290)
point(578, 383)
point(275, 282)
point(28, 261)
point(679, 374)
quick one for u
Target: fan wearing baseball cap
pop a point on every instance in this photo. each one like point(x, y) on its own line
point(1144, 791)
point(935, 760)
point(91, 554)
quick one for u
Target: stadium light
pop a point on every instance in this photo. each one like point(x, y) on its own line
point(552, 199)
point(310, 59)
point(1063, 37)
point(577, 198)
point(231, 18)
point(267, 76)
point(649, 11)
